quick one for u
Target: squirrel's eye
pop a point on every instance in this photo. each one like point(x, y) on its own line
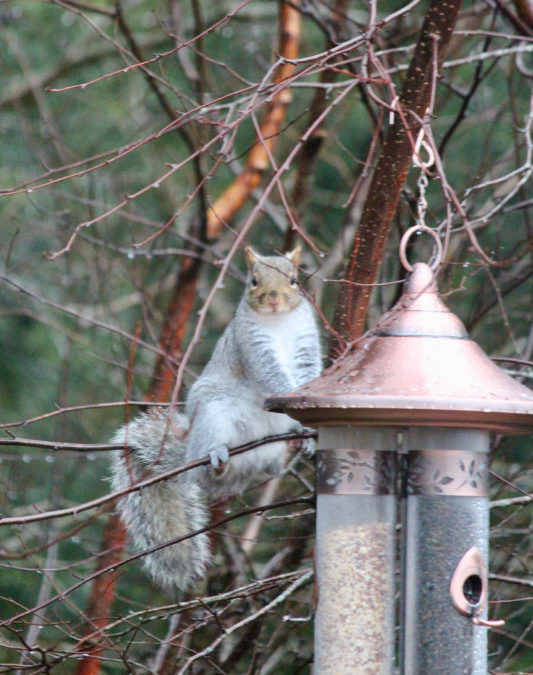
point(253, 281)
point(293, 281)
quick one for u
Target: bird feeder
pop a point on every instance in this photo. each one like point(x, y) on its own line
point(408, 411)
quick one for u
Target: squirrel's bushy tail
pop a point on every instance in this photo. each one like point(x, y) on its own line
point(154, 443)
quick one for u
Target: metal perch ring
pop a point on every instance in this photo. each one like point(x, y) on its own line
point(403, 245)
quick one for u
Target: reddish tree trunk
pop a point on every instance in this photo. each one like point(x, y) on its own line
point(101, 597)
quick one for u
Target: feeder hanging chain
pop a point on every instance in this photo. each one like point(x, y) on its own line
point(422, 204)
point(423, 182)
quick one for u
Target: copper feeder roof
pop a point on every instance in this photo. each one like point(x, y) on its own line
point(418, 367)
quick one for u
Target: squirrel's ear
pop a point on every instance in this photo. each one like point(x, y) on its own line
point(295, 256)
point(250, 255)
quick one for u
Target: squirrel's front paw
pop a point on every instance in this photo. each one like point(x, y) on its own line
point(219, 458)
point(308, 445)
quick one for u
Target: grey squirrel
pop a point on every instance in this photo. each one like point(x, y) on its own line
point(271, 346)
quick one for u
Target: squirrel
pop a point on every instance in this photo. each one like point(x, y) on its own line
point(271, 346)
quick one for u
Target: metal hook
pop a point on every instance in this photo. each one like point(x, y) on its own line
point(420, 142)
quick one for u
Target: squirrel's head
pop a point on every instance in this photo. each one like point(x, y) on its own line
point(272, 283)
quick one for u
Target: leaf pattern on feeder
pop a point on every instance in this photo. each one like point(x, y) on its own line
point(370, 472)
point(447, 472)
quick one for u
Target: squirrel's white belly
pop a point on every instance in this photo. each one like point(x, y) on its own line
point(279, 332)
point(253, 423)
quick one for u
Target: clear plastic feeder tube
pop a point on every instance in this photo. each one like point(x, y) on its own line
point(445, 515)
point(356, 518)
